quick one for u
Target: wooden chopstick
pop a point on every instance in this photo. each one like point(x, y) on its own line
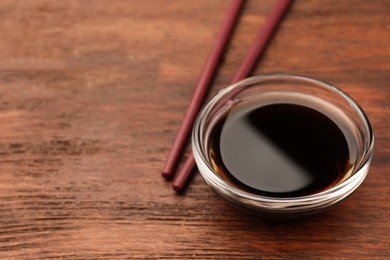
point(202, 88)
point(253, 55)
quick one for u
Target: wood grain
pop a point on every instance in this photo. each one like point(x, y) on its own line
point(92, 92)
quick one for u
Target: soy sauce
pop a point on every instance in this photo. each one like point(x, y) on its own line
point(279, 150)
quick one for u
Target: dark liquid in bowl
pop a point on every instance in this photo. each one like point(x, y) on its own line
point(279, 150)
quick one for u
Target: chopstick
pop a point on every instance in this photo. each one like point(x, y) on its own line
point(263, 38)
point(254, 54)
point(202, 88)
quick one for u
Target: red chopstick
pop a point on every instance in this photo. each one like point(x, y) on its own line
point(202, 88)
point(253, 55)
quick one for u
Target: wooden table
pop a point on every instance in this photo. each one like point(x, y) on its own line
point(92, 93)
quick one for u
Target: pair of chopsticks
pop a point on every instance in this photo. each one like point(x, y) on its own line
point(257, 49)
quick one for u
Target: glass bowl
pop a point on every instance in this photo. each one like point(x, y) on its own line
point(268, 88)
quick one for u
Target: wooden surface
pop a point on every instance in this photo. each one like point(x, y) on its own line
point(92, 93)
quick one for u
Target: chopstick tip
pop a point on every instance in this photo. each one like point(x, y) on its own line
point(178, 188)
point(166, 175)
